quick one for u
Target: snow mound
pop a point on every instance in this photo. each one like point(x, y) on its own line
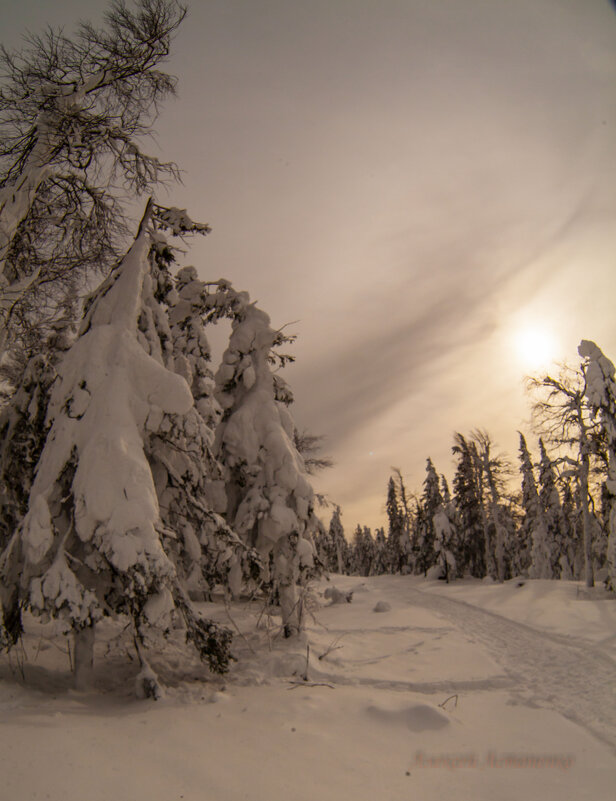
point(416, 717)
point(382, 606)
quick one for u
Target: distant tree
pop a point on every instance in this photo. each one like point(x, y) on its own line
point(188, 477)
point(431, 500)
point(547, 554)
point(339, 544)
point(531, 536)
point(398, 541)
point(562, 415)
point(381, 561)
point(363, 552)
point(469, 505)
point(492, 471)
point(572, 562)
point(445, 533)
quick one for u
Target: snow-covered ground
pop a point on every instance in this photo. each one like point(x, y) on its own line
point(476, 690)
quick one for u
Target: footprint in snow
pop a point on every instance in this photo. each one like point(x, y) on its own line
point(417, 717)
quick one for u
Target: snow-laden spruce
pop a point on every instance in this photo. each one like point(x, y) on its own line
point(23, 429)
point(269, 496)
point(445, 534)
point(188, 477)
point(601, 393)
point(90, 544)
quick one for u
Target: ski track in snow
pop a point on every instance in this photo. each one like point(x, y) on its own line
point(546, 670)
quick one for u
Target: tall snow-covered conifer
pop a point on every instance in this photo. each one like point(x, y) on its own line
point(431, 500)
point(90, 544)
point(532, 534)
point(269, 496)
point(601, 393)
point(445, 533)
point(469, 505)
point(547, 549)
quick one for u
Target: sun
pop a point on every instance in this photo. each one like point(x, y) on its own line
point(534, 346)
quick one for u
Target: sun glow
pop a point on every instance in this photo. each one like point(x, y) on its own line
point(534, 346)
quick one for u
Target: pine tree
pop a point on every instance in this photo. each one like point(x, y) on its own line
point(91, 543)
point(468, 503)
point(431, 500)
point(362, 552)
point(398, 540)
point(572, 561)
point(532, 529)
point(600, 390)
point(445, 533)
point(269, 496)
point(381, 562)
point(548, 549)
point(490, 471)
point(339, 544)
point(323, 546)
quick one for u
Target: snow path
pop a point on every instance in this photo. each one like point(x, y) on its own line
point(578, 681)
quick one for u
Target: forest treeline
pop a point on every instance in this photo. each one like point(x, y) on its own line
point(554, 521)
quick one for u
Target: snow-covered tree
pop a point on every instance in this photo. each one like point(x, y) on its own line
point(491, 470)
point(339, 559)
point(72, 114)
point(269, 496)
point(548, 544)
point(601, 393)
point(431, 500)
point(469, 506)
point(362, 552)
point(398, 540)
point(531, 534)
point(23, 429)
point(562, 414)
point(381, 561)
point(188, 478)
point(91, 543)
point(572, 560)
point(445, 533)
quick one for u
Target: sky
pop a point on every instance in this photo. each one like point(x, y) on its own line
point(423, 191)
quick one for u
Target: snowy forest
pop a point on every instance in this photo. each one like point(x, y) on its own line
point(555, 524)
point(137, 478)
point(182, 613)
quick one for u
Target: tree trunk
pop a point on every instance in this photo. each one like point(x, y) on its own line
point(586, 518)
point(84, 657)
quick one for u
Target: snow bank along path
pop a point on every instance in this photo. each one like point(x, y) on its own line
point(548, 670)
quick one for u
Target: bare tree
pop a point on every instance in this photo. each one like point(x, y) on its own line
point(562, 415)
point(73, 112)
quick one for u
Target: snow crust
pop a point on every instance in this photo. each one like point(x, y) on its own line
point(441, 694)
